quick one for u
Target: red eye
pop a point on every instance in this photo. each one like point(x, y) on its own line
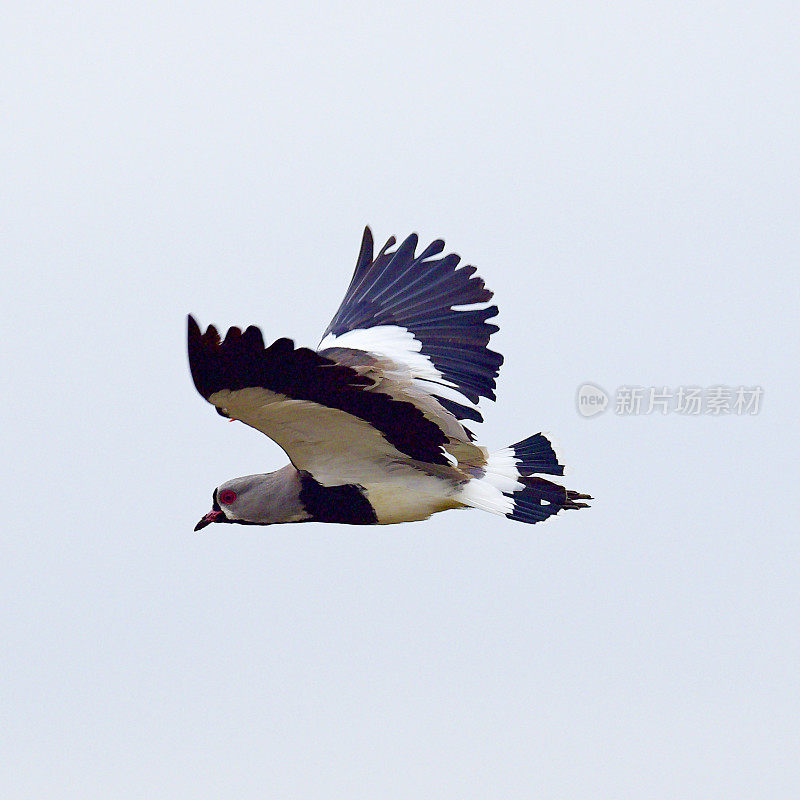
point(227, 496)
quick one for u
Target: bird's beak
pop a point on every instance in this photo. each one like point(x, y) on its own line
point(212, 516)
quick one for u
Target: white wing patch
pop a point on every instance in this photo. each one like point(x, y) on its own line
point(389, 341)
point(400, 346)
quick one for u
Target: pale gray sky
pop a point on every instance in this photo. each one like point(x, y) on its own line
point(626, 178)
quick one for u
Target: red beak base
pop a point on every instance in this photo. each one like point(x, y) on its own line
point(212, 516)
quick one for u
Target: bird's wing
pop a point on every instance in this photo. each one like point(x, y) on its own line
point(329, 417)
point(425, 314)
point(404, 360)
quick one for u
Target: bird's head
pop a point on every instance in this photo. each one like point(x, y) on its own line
point(236, 500)
point(257, 500)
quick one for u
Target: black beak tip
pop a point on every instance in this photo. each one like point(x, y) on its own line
point(212, 516)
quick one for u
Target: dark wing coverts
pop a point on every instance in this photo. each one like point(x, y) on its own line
point(240, 361)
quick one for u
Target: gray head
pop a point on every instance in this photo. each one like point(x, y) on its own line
point(258, 500)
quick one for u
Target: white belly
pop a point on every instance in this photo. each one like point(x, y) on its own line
point(409, 496)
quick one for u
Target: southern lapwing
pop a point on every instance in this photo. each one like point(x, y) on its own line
point(373, 420)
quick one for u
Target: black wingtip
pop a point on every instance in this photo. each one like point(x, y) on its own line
point(367, 245)
point(194, 340)
point(407, 248)
point(366, 252)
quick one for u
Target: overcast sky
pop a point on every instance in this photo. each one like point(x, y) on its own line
point(625, 177)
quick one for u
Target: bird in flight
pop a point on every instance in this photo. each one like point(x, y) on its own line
point(373, 421)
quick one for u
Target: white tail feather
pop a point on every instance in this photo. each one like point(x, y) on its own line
point(490, 491)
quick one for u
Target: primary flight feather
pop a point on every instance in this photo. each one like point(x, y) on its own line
point(373, 421)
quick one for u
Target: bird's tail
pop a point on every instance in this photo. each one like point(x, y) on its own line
point(508, 483)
